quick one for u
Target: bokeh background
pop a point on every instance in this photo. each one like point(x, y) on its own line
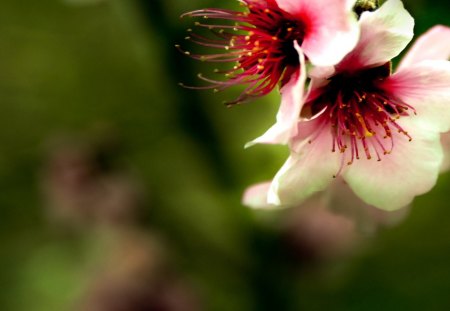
point(120, 190)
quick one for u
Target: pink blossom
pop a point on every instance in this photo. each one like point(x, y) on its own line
point(378, 131)
point(260, 40)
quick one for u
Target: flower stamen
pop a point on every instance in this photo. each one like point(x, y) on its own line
point(361, 114)
point(260, 41)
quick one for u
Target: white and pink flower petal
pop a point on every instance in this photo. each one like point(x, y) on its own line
point(331, 28)
point(432, 45)
point(384, 34)
point(321, 72)
point(410, 170)
point(255, 196)
point(426, 87)
point(309, 171)
point(290, 107)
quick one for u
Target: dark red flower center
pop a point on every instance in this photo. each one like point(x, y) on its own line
point(259, 41)
point(363, 116)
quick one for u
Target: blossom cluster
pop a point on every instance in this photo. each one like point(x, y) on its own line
point(345, 114)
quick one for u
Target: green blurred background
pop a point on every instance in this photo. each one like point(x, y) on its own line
point(89, 95)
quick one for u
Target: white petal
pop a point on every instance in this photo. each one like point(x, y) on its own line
point(291, 104)
point(426, 87)
point(331, 28)
point(255, 196)
point(306, 172)
point(331, 42)
point(323, 72)
point(432, 45)
point(410, 170)
point(323, 7)
point(384, 34)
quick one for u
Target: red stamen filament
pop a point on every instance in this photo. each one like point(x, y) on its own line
point(361, 115)
point(260, 42)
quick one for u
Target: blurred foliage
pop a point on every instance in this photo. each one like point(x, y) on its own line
point(99, 69)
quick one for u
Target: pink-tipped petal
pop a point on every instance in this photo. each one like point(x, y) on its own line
point(432, 45)
point(410, 170)
point(426, 87)
point(290, 107)
point(384, 34)
point(323, 72)
point(331, 28)
point(255, 196)
point(296, 6)
point(332, 38)
point(306, 172)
